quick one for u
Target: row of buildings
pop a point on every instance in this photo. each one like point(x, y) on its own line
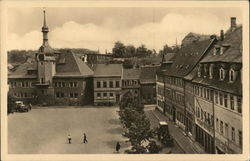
point(55, 78)
point(200, 89)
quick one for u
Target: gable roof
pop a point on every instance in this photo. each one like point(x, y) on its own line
point(69, 65)
point(187, 58)
point(108, 70)
point(233, 53)
point(130, 73)
point(148, 74)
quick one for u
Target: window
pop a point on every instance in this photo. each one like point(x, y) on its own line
point(240, 138)
point(104, 84)
point(221, 99)
point(221, 127)
point(201, 91)
point(111, 84)
point(111, 94)
point(208, 118)
point(233, 134)
point(205, 92)
point(225, 100)
point(232, 102)
point(216, 97)
point(239, 104)
point(63, 84)
point(104, 94)
point(71, 95)
point(71, 84)
point(98, 84)
point(56, 84)
point(201, 114)
point(199, 70)
point(117, 84)
point(222, 74)
point(98, 95)
point(226, 129)
point(76, 95)
point(211, 71)
point(231, 75)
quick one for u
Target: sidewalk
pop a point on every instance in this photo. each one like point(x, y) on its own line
point(185, 143)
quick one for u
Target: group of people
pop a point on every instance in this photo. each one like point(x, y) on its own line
point(84, 138)
point(117, 147)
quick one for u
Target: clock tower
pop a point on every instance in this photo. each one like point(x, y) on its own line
point(46, 66)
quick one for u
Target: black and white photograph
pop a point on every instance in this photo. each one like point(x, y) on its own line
point(143, 78)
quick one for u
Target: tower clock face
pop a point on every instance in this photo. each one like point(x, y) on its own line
point(41, 57)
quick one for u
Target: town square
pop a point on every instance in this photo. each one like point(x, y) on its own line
point(96, 81)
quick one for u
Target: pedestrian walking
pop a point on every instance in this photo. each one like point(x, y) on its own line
point(69, 139)
point(85, 138)
point(118, 146)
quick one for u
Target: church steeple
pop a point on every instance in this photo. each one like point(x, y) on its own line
point(45, 29)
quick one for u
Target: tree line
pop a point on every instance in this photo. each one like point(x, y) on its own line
point(127, 51)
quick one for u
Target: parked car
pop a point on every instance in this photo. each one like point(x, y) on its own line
point(21, 107)
point(164, 134)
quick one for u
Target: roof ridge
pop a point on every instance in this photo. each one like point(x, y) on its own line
point(76, 62)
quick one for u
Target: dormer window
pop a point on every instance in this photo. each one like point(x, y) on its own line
point(231, 75)
point(211, 68)
point(199, 70)
point(205, 70)
point(217, 50)
point(221, 50)
point(222, 74)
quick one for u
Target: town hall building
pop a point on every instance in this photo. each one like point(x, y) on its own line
point(53, 77)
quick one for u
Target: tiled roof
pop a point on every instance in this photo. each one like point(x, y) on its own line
point(71, 66)
point(233, 53)
point(21, 71)
point(235, 87)
point(187, 58)
point(148, 74)
point(130, 73)
point(108, 70)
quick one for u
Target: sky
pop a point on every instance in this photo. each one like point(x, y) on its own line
point(100, 28)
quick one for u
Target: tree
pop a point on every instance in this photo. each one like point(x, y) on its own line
point(141, 51)
point(118, 50)
point(135, 122)
point(130, 51)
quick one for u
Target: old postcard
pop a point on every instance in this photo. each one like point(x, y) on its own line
point(108, 80)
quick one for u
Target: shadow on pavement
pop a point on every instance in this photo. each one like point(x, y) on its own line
point(114, 121)
point(117, 130)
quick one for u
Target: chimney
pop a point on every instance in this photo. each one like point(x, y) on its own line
point(221, 35)
point(233, 23)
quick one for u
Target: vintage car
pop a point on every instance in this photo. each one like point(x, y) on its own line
point(164, 134)
point(21, 107)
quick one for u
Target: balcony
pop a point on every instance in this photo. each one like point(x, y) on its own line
point(42, 84)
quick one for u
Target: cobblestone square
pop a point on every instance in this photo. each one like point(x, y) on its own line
point(45, 131)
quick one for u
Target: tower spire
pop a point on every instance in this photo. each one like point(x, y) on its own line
point(45, 29)
point(44, 20)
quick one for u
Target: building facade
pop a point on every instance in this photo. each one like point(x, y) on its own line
point(107, 84)
point(148, 84)
point(131, 81)
point(178, 101)
point(209, 105)
point(219, 83)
